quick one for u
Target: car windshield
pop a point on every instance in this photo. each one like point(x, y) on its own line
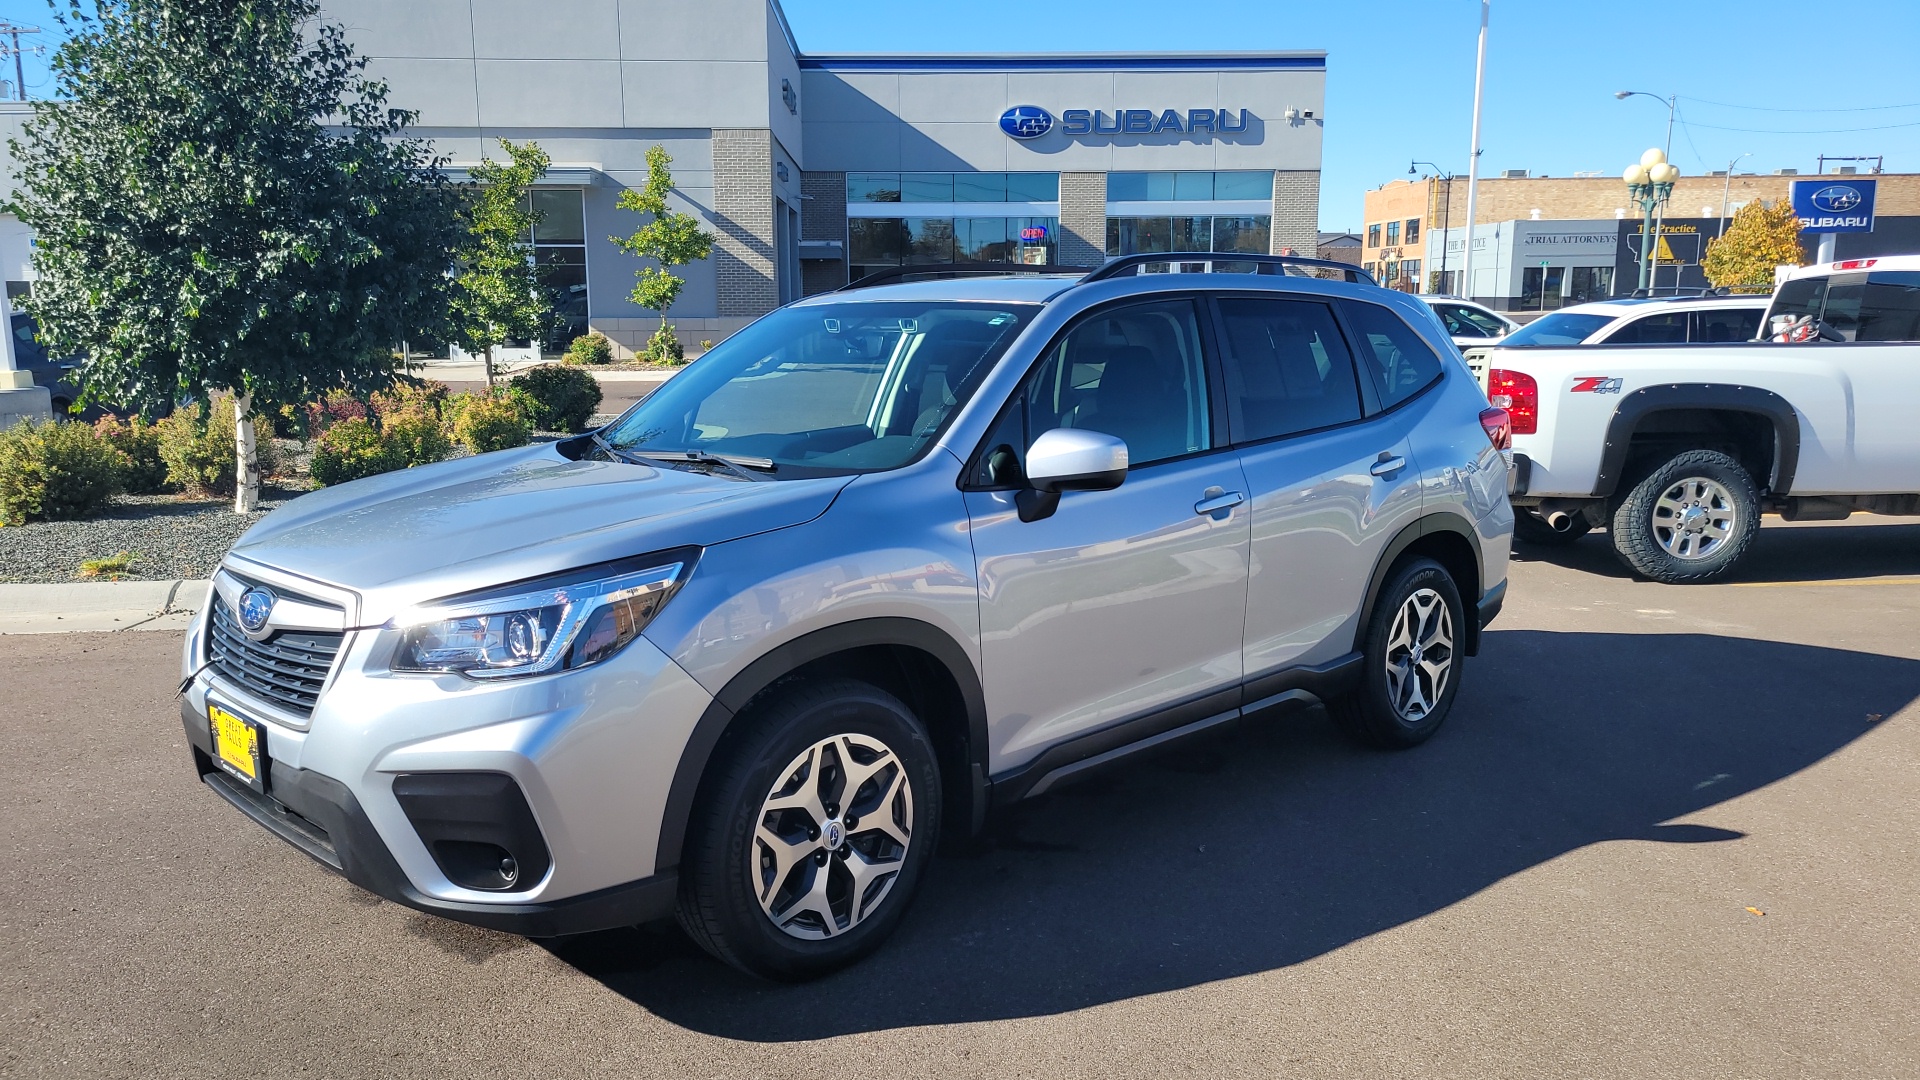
point(1559, 328)
point(826, 389)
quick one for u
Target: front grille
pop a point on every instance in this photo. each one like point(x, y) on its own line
point(286, 669)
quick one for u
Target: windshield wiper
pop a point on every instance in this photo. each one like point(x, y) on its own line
point(748, 468)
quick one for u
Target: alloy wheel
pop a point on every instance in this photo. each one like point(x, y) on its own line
point(1694, 518)
point(831, 837)
point(1419, 655)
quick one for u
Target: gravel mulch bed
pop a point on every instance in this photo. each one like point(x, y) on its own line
point(171, 535)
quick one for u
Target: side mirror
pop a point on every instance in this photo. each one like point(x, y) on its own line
point(1069, 459)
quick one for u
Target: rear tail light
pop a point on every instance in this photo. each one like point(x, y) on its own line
point(1498, 426)
point(1516, 392)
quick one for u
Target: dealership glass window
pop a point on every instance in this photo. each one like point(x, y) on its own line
point(1151, 235)
point(952, 187)
point(1243, 185)
point(1188, 186)
point(876, 243)
point(1247, 235)
point(929, 240)
point(1373, 236)
point(559, 248)
point(1413, 230)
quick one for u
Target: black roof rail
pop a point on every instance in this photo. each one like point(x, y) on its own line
point(1263, 264)
point(936, 271)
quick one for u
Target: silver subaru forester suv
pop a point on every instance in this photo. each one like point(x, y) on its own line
point(879, 565)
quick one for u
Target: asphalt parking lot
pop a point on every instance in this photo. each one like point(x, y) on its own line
point(1668, 832)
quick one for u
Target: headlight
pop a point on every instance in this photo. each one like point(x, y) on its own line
point(548, 624)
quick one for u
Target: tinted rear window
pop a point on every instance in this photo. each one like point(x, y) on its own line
point(1560, 328)
point(1398, 359)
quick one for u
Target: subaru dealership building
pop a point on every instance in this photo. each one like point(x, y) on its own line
point(815, 169)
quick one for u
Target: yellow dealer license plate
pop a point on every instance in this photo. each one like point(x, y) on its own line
point(239, 746)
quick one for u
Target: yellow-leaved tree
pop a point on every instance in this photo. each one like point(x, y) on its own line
point(1759, 238)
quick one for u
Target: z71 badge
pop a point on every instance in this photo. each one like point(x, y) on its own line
point(1596, 384)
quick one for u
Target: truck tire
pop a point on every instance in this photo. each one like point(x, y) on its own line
point(1688, 520)
point(1529, 529)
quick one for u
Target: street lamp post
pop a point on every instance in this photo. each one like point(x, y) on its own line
point(1446, 210)
point(1726, 191)
point(1649, 183)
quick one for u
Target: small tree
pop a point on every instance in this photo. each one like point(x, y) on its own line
point(222, 201)
point(501, 293)
point(670, 239)
point(1758, 239)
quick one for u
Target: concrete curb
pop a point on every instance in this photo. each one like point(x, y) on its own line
point(93, 607)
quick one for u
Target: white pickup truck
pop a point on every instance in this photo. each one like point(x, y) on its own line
point(1678, 449)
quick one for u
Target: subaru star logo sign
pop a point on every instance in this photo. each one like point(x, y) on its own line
point(1026, 121)
point(256, 607)
point(1833, 199)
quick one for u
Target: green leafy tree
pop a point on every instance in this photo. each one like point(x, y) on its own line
point(1758, 239)
point(500, 292)
point(223, 201)
point(670, 239)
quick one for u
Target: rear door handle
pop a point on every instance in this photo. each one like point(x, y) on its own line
point(1388, 465)
point(1217, 503)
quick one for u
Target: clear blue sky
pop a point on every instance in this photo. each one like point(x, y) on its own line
point(1400, 72)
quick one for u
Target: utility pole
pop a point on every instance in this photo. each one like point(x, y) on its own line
point(1726, 192)
point(14, 30)
point(1473, 152)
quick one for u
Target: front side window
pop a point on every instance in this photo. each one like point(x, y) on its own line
point(1135, 373)
point(1669, 328)
point(1288, 369)
point(1398, 360)
point(828, 389)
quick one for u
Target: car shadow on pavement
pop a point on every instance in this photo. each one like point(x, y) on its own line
point(1823, 553)
point(1276, 841)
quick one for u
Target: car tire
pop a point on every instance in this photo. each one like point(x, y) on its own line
point(1529, 529)
point(1405, 690)
point(788, 875)
point(1689, 519)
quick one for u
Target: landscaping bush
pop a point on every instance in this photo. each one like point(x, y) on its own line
point(488, 422)
point(566, 396)
point(337, 406)
point(139, 441)
point(589, 349)
point(352, 449)
point(410, 396)
point(198, 449)
point(56, 471)
point(417, 435)
point(664, 348)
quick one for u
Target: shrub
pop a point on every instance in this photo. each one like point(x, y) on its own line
point(337, 406)
point(198, 449)
point(139, 441)
point(488, 422)
point(664, 348)
point(56, 471)
point(589, 349)
point(112, 568)
point(410, 396)
point(706, 346)
point(352, 449)
point(417, 435)
point(566, 396)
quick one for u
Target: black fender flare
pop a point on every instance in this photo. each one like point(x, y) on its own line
point(1438, 522)
point(1724, 397)
point(791, 656)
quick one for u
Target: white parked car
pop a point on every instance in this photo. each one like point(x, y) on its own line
point(1468, 323)
point(1677, 451)
point(1665, 320)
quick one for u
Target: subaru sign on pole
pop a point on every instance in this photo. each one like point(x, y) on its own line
point(1829, 205)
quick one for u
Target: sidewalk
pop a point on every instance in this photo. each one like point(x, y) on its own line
point(83, 607)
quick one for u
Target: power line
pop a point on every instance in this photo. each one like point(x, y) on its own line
point(1769, 108)
point(1805, 131)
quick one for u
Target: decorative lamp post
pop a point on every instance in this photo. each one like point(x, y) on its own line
point(1650, 183)
point(1446, 215)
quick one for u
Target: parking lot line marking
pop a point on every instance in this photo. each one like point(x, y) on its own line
point(1907, 580)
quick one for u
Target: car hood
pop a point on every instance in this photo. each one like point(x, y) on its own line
point(422, 533)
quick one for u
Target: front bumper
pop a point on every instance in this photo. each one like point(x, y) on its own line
point(591, 755)
point(321, 817)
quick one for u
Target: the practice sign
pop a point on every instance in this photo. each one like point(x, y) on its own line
point(1830, 205)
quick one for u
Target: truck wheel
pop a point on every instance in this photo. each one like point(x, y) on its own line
point(1529, 529)
point(1689, 520)
point(1412, 668)
point(812, 832)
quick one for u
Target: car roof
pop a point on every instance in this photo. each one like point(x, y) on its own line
point(1627, 305)
point(1010, 288)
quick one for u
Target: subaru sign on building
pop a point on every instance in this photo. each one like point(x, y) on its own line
point(1834, 205)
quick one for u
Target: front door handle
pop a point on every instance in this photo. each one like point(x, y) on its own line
point(1388, 464)
point(1218, 503)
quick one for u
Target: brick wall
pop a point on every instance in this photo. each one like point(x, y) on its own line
point(1083, 220)
point(743, 207)
point(823, 216)
point(1296, 212)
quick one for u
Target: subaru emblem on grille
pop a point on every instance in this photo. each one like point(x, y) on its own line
point(255, 608)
